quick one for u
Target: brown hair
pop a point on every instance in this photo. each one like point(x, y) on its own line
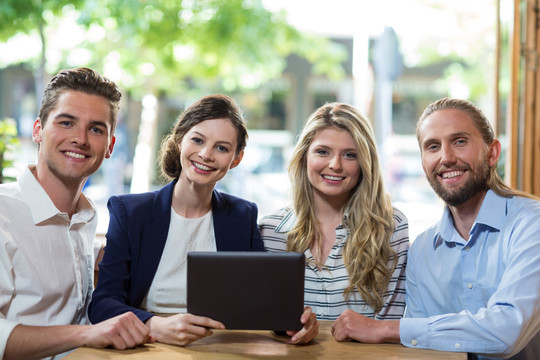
point(80, 79)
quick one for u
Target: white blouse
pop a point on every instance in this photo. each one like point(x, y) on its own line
point(168, 292)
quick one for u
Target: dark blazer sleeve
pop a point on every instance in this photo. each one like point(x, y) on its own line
point(136, 236)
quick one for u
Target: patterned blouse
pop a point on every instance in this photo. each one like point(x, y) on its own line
point(323, 289)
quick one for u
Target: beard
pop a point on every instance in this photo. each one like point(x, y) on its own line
point(477, 182)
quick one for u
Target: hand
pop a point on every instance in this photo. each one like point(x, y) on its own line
point(309, 331)
point(122, 332)
point(353, 326)
point(181, 329)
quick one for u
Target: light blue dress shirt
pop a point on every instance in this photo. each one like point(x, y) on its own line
point(479, 296)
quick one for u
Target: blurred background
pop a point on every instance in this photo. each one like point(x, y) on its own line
point(280, 59)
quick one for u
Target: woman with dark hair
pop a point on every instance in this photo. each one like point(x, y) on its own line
point(144, 266)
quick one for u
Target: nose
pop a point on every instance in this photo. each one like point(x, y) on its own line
point(205, 153)
point(447, 156)
point(335, 163)
point(80, 137)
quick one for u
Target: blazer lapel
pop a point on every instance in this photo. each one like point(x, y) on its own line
point(224, 225)
point(153, 240)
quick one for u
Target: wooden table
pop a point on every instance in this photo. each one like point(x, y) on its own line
point(236, 344)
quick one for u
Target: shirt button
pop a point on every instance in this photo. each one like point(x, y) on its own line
point(469, 285)
point(467, 248)
point(457, 346)
point(414, 342)
point(323, 287)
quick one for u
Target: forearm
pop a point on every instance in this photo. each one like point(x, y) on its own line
point(387, 331)
point(354, 326)
point(35, 342)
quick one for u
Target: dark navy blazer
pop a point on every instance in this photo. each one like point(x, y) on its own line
point(138, 228)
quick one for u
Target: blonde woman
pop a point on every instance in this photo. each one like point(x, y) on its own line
point(354, 240)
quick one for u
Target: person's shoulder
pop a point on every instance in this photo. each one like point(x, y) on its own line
point(276, 216)
point(133, 202)
point(11, 189)
point(425, 238)
point(233, 200)
point(399, 217)
point(523, 204)
point(522, 212)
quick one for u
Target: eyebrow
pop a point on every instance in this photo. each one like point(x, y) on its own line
point(73, 117)
point(220, 141)
point(315, 145)
point(452, 136)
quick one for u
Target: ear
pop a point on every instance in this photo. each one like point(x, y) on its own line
point(36, 131)
point(237, 160)
point(111, 147)
point(494, 152)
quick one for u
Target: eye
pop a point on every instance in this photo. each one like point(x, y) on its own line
point(222, 148)
point(432, 147)
point(350, 155)
point(461, 141)
point(196, 140)
point(97, 130)
point(65, 123)
point(321, 152)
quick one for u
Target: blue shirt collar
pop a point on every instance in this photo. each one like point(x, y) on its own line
point(492, 214)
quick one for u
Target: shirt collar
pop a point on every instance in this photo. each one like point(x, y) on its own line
point(288, 221)
point(41, 205)
point(492, 213)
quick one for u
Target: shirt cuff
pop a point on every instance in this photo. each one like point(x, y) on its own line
point(413, 332)
point(6, 327)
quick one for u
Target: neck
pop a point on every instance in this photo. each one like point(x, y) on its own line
point(465, 214)
point(64, 195)
point(191, 200)
point(328, 210)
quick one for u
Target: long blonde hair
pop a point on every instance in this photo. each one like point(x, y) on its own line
point(369, 219)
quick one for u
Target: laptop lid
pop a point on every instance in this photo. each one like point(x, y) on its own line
point(247, 290)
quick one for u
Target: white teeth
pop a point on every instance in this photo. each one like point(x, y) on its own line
point(334, 178)
point(75, 155)
point(202, 167)
point(451, 174)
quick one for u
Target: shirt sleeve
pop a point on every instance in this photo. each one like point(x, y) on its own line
point(511, 316)
point(395, 297)
point(6, 291)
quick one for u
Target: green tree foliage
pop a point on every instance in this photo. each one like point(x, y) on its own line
point(8, 140)
point(159, 44)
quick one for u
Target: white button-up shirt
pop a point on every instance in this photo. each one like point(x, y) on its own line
point(46, 258)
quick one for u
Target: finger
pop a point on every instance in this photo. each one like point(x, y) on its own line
point(196, 330)
point(133, 331)
point(205, 321)
point(306, 315)
point(299, 336)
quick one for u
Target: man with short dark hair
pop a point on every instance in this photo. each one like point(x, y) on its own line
point(473, 279)
point(47, 227)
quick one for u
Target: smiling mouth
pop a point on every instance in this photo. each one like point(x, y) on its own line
point(333, 178)
point(74, 155)
point(202, 167)
point(452, 174)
